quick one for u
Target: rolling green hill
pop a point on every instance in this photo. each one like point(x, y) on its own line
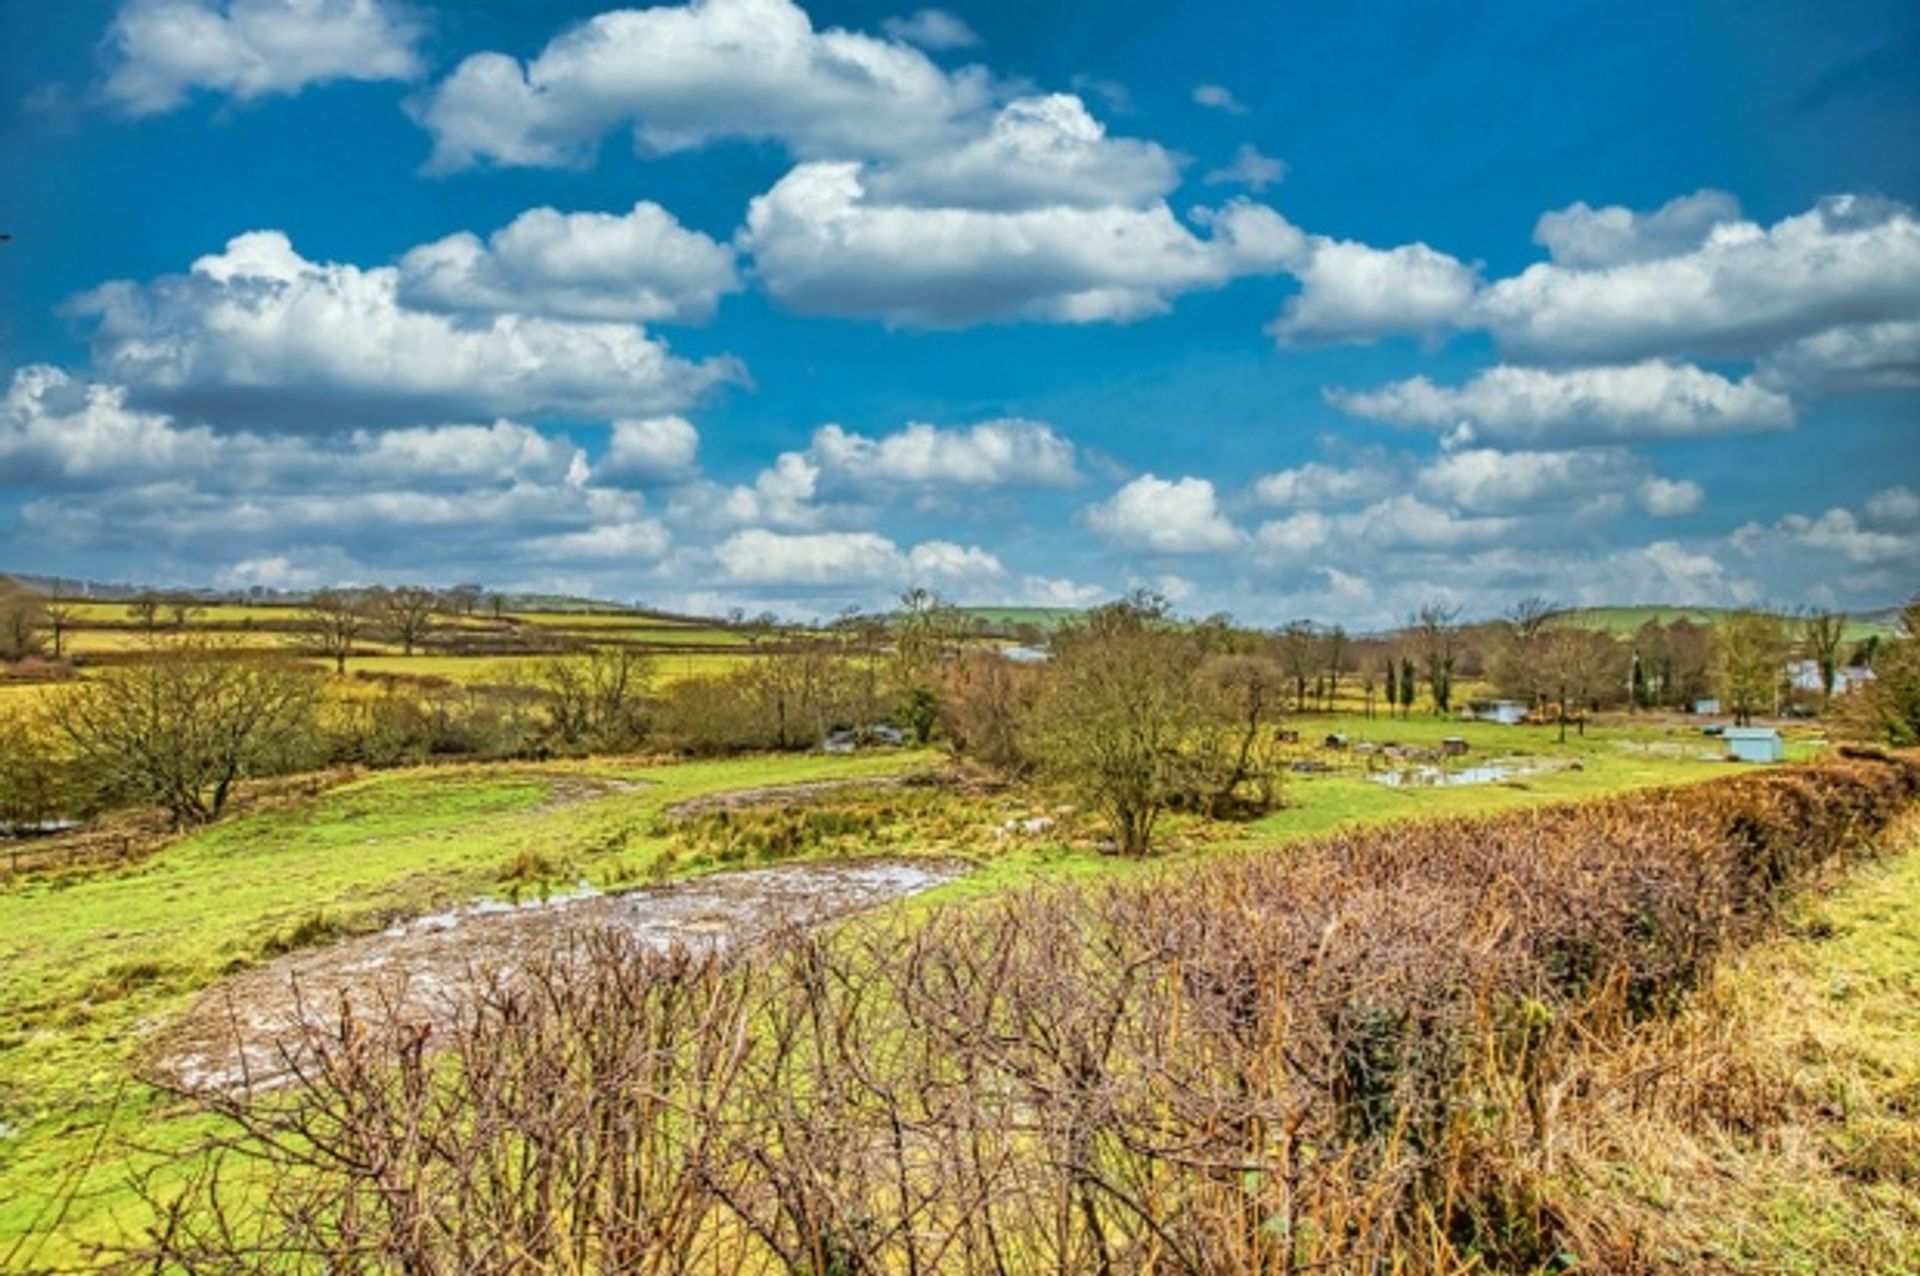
point(1624, 620)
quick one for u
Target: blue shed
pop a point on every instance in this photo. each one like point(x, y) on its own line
point(1755, 744)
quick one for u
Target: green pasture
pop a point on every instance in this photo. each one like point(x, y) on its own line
point(89, 963)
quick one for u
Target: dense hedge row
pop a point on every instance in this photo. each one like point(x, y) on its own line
point(1329, 1057)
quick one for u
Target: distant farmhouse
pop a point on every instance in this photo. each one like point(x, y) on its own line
point(1804, 675)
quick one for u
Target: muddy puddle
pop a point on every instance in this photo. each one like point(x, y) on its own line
point(240, 1031)
point(1433, 777)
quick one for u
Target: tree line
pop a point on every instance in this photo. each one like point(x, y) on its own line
point(1136, 712)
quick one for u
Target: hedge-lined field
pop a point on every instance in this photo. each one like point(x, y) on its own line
point(1350, 1055)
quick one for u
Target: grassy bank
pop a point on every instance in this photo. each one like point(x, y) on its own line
point(1771, 1128)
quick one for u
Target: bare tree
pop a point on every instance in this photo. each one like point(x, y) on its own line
point(145, 609)
point(22, 616)
point(1519, 661)
point(1750, 650)
point(1336, 651)
point(1435, 630)
point(61, 613)
point(1576, 665)
point(598, 700)
point(406, 613)
point(181, 609)
point(1300, 655)
point(1119, 710)
point(335, 619)
point(1823, 632)
point(180, 729)
point(1247, 692)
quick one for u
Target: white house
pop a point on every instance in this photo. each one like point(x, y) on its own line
point(1804, 675)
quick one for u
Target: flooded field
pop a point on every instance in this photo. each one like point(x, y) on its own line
point(239, 1032)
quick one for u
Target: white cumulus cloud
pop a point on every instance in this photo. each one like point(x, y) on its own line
point(1519, 405)
point(1744, 290)
point(931, 29)
point(1581, 236)
point(634, 267)
point(823, 248)
point(651, 449)
point(159, 51)
point(685, 75)
point(1167, 516)
point(1249, 168)
point(259, 332)
point(1354, 292)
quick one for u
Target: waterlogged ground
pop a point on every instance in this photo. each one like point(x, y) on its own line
point(247, 1030)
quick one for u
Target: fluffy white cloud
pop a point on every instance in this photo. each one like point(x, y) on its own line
point(1177, 516)
point(1249, 168)
point(652, 449)
point(1218, 97)
point(58, 432)
point(1039, 152)
point(1407, 522)
point(1353, 292)
point(640, 266)
point(61, 432)
point(760, 557)
point(1316, 483)
point(1670, 498)
point(1057, 591)
point(1745, 289)
point(1584, 237)
point(1894, 505)
point(990, 454)
point(931, 29)
point(637, 539)
point(944, 561)
point(1484, 480)
point(823, 248)
point(1668, 571)
point(842, 475)
point(159, 51)
point(684, 75)
point(260, 333)
point(1838, 532)
point(1294, 536)
point(1868, 356)
point(1650, 400)
point(781, 495)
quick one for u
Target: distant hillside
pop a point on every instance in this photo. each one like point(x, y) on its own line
point(1624, 620)
point(1044, 618)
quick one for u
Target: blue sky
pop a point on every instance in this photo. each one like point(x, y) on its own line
point(1282, 310)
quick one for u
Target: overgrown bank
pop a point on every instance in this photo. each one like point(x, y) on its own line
point(1352, 1053)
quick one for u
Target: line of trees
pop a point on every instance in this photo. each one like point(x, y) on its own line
point(1136, 713)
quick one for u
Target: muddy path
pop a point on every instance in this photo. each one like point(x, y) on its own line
point(241, 1031)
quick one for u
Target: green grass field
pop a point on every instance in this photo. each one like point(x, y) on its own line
point(1622, 621)
point(87, 965)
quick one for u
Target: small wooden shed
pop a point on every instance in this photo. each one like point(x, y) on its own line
point(1755, 744)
